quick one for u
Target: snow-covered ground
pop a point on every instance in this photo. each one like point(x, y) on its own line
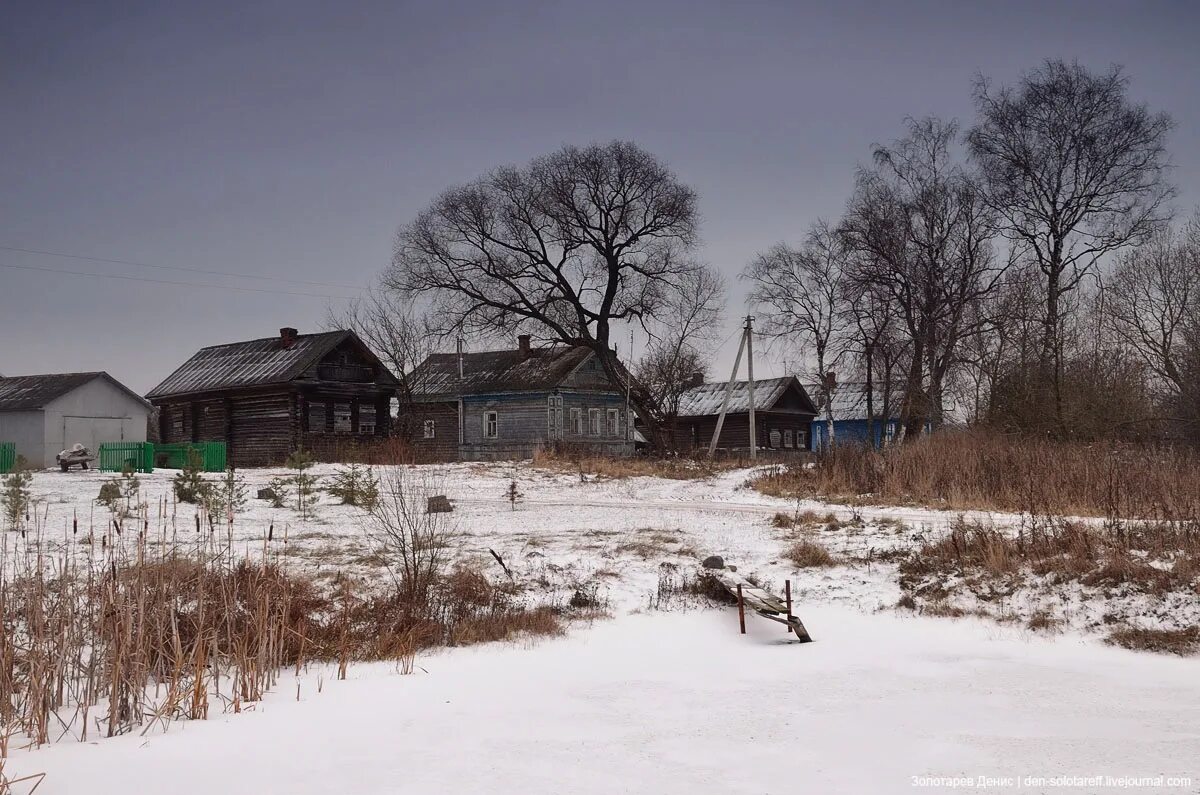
point(681, 703)
point(651, 700)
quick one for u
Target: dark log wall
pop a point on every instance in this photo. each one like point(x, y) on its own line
point(696, 432)
point(444, 416)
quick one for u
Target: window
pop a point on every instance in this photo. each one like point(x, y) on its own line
point(577, 422)
point(614, 422)
point(366, 420)
point(316, 417)
point(554, 417)
point(776, 438)
point(787, 437)
point(430, 429)
point(491, 425)
point(802, 439)
point(341, 418)
point(889, 431)
point(594, 422)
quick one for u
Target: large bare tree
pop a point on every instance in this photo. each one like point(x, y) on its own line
point(1077, 171)
point(798, 295)
point(923, 235)
point(567, 248)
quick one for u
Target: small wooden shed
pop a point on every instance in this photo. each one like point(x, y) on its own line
point(327, 393)
point(783, 413)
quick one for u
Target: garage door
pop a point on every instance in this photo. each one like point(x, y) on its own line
point(91, 432)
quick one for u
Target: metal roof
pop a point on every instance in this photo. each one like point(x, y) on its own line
point(496, 371)
point(32, 392)
point(705, 400)
point(850, 400)
point(254, 363)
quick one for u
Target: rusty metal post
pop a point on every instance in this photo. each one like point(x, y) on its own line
point(741, 610)
point(787, 592)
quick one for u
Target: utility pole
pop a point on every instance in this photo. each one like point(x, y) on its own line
point(747, 345)
point(750, 384)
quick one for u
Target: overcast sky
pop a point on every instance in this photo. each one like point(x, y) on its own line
point(290, 139)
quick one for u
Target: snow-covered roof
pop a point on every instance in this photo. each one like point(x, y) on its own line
point(498, 371)
point(850, 400)
point(705, 399)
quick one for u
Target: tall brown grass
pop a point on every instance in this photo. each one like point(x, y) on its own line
point(141, 621)
point(964, 470)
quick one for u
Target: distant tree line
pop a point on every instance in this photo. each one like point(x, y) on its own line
point(1026, 271)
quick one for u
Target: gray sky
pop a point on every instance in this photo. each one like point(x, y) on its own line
point(290, 139)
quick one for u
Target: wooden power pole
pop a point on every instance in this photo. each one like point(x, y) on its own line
point(746, 345)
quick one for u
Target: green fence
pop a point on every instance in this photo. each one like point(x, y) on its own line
point(8, 456)
point(174, 456)
point(119, 456)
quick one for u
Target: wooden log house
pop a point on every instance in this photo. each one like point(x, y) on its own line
point(783, 413)
point(326, 393)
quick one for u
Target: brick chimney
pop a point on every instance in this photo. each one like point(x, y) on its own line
point(523, 345)
point(696, 380)
point(287, 336)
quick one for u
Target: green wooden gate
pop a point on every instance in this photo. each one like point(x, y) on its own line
point(174, 456)
point(119, 456)
point(8, 456)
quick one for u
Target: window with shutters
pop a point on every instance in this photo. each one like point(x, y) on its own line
point(430, 429)
point(316, 416)
point(491, 425)
point(366, 420)
point(787, 438)
point(341, 418)
point(776, 438)
point(554, 417)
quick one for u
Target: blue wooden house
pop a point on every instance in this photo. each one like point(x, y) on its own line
point(850, 414)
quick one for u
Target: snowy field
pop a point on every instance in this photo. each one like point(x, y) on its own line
point(662, 697)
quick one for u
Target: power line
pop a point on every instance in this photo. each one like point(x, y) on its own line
point(178, 268)
point(167, 281)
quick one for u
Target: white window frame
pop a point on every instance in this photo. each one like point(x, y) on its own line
point(577, 421)
point(554, 417)
point(429, 429)
point(491, 425)
point(614, 422)
point(595, 422)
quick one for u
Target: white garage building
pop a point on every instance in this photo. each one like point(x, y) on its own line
point(43, 414)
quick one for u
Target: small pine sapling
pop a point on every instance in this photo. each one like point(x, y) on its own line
point(189, 484)
point(306, 484)
point(232, 488)
point(355, 485)
point(280, 488)
point(513, 494)
point(16, 493)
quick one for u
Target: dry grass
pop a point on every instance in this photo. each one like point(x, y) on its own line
point(808, 555)
point(117, 633)
point(963, 470)
point(613, 468)
point(1164, 641)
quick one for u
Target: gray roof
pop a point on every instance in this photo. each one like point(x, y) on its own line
point(32, 392)
point(255, 363)
point(496, 371)
point(850, 400)
point(705, 400)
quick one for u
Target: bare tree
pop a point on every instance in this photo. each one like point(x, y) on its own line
point(680, 343)
point(397, 332)
point(1077, 172)
point(797, 293)
point(923, 235)
point(872, 343)
point(564, 248)
point(1153, 300)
